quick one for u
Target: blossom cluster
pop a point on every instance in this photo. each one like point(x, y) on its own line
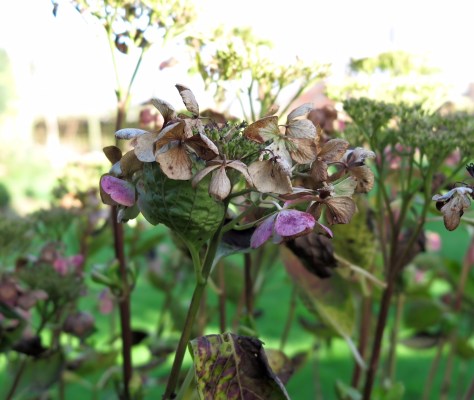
point(296, 180)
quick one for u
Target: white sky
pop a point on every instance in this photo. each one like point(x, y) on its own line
point(62, 64)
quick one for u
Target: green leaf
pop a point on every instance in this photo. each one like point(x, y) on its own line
point(38, 374)
point(190, 213)
point(229, 366)
point(422, 313)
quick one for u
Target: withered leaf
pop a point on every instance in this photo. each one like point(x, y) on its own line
point(301, 128)
point(130, 164)
point(220, 185)
point(270, 176)
point(188, 99)
point(129, 133)
point(165, 109)
point(113, 153)
point(339, 210)
point(299, 111)
point(262, 130)
point(175, 163)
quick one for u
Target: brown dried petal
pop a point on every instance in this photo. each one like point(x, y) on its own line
point(299, 111)
point(192, 126)
point(272, 110)
point(175, 163)
point(453, 211)
point(130, 164)
point(188, 99)
point(302, 151)
point(262, 130)
point(113, 153)
point(319, 171)
point(346, 187)
point(270, 176)
point(201, 174)
point(339, 210)
point(301, 128)
point(144, 146)
point(203, 146)
point(171, 133)
point(220, 186)
point(315, 210)
point(242, 168)
point(364, 177)
point(165, 109)
point(333, 150)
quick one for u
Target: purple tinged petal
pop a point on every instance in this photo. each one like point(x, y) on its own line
point(293, 222)
point(325, 230)
point(119, 190)
point(263, 232)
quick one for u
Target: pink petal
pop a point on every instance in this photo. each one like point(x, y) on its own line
point(263, 232)
point(119, 190)
point(293, 222)
point(324, 230)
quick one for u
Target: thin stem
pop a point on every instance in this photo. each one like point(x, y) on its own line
point(433, 368)
point(222, 297)
point(184, 387)
point(289, 319)
point(470, 391)
point(249, 94)
point(364, 333)
point(191, 315)
point(124, 305)
point(17, 379)
point(248, 284)
point(391, 362)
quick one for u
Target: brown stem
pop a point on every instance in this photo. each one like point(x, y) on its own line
point(124, 305)
point(470, 391)
point(222, 298)
point(364, 332)
point(377, 345)
point(391, 362)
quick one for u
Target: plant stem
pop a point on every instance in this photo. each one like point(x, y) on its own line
point(222, 297)
point(364, 331)
point(289, 319)
point(124, 305)
point(248, 284)
point(431, 374)
point(17, 379)
point(191, 315)
point(391, 362)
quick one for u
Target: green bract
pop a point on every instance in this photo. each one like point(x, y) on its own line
point(191, 213)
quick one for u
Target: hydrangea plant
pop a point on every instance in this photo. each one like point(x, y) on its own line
point(202, 179)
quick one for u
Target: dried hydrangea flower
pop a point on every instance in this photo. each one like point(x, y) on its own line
point(452, 205)
point(271, 176)
point(329, 152)
point(354, 162)
point(296, 144)
point(115, 191)
point(220, 185)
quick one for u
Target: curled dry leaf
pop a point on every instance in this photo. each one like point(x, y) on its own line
point(166, 109)
point(452, 205)
point(113, 153)
point(188, 99)
point(129, 133)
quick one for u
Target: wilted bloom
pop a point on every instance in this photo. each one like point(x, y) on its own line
point(297, 143)
point(337, 201)
point(220, 186)
point(284, 224)
point(354, 162)
point(327, 153)
point(271, 176)
point(115, 191)
point(452, 205)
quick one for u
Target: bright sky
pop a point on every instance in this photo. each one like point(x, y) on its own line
point(62, 64)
